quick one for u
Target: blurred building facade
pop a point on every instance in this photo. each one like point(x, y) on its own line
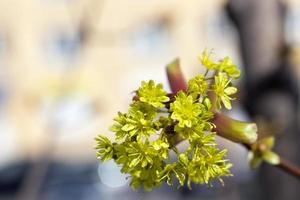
point(67, 66)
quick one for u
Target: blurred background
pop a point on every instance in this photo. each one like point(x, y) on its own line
point(68, 66)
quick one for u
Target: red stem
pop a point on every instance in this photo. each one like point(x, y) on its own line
point(175, 77)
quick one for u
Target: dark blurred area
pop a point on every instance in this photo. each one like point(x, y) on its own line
point(67, 66)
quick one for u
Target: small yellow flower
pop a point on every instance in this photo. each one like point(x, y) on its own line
point(223, 91)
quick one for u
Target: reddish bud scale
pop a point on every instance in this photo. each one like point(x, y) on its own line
point(175, 77)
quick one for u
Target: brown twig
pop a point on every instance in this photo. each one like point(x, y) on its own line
point(289, 168)
point(284, 165)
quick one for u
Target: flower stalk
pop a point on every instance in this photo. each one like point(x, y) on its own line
point(235, 130)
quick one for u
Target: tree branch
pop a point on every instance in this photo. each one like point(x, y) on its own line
point(284, 165)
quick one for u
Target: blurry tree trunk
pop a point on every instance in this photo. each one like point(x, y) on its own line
point(271, 88)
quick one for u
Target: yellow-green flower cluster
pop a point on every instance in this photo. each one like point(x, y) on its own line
point(152, 94)
point(156, 122)
point(223, 91)
point(225, 65)
point(185, 111)
point(224, 71)
point(198, 86)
